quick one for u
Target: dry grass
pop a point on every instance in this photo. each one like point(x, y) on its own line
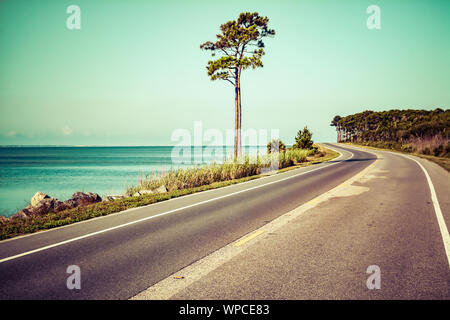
point(444, 162)
point(178, 179)
point(436, 146)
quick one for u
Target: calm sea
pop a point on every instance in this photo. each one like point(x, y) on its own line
point(61, 171)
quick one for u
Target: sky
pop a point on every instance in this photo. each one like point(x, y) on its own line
point(134, 73)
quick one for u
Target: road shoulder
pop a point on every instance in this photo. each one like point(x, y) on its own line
point(322, 249)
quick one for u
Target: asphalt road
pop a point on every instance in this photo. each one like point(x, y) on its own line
point(123, 254)
point(385, 218)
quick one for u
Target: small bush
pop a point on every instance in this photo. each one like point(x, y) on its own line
point(438, 150)
point(276, 144)
point(303, 140)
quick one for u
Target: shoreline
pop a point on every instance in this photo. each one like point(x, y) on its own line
point(31, 224)
point(61, 171)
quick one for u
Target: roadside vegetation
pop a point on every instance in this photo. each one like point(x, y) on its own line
point(277, 157)
point(178, 183)
point(444, 162)
point(177, 179)
point(420, 132)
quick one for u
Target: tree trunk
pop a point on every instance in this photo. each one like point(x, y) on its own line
point(239, 123)
point(236, 121)
point(238, 116)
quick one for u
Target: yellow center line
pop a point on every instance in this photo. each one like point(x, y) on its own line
point(313, 200)
point(250, 237)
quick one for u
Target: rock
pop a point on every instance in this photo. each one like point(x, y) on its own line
point(141, 192)
point(82, 198)
point(19, 215)
point(4, 219)
point(42, 204)
point(161, 189)
point(60, 206)
point(87, 197)
point(115, 197)
point(54, 205)
point(48, 205)
point(38, 197)
point(24, 213)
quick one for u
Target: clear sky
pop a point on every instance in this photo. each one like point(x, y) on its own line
point(134, 73)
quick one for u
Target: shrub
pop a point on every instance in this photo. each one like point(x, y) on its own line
point(276, 144)
point(438, 150)
point(303, 140)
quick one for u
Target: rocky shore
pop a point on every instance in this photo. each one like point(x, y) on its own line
point(42, 203)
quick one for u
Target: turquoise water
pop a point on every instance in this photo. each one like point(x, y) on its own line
point(61, 171)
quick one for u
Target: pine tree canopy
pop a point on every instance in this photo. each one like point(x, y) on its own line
point(240, 46)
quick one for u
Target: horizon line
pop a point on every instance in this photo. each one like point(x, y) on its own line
point(86, 146)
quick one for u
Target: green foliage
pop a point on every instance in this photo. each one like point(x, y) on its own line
point(277, 145)
point(335, 121)
point(303, 140)
point(240, 46)
point(421, 131)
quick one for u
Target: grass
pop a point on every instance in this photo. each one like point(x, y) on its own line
point(177, 179)
point(231, 173)
point(444, 162)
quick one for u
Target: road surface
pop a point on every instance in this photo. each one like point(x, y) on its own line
point(386, 218)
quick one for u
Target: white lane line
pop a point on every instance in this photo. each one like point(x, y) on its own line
point(165, 202)
point(437, 209)
point(168, 287)
point(160, 214)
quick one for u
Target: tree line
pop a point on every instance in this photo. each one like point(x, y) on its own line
point(410, 130)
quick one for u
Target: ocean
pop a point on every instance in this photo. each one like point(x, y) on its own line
point(61, 171)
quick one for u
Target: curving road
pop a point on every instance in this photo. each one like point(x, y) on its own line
point(123, 254)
